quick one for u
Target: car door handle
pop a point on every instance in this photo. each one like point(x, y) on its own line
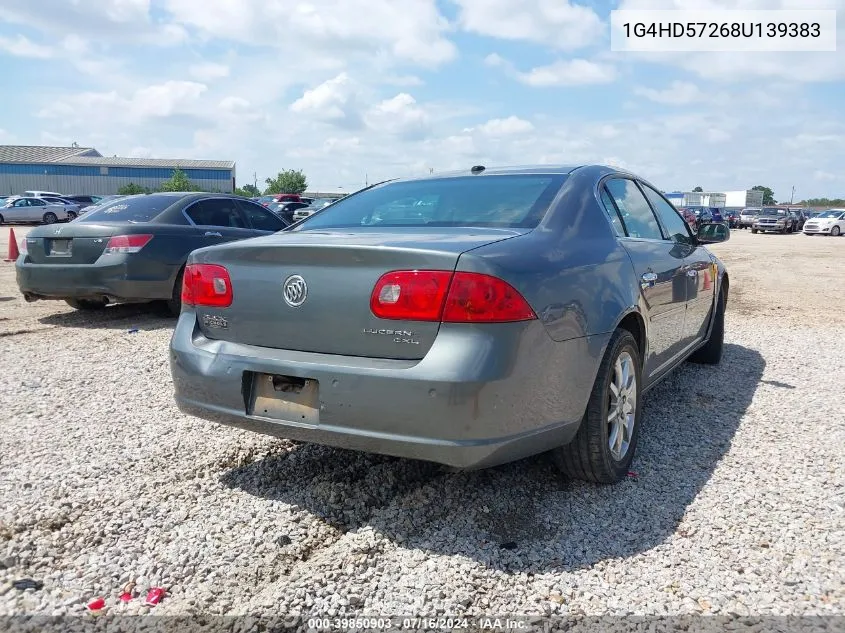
point(692, 272)
point(649, 277)
point(213, 234)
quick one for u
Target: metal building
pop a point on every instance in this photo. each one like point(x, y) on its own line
point(83, 170)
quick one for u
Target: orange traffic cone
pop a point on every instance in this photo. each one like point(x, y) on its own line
point(13, 247)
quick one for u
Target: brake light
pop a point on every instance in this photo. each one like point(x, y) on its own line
point(206, 285)
point(477, 298)
point(411, 295)
point(439, 295)
point(127, 243)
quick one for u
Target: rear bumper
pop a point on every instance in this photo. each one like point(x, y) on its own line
point(472, 402)
point(118, 279)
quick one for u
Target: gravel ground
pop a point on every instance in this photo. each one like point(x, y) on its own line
point(738, 506)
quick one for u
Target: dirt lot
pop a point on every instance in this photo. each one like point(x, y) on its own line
point(736, 508)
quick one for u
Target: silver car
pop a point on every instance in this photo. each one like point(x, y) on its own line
point(73, 208)
point(34, 210)
point(510, 312)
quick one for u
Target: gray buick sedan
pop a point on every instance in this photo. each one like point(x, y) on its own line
point(470, 319)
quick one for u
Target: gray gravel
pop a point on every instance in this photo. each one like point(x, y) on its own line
point(737, 506)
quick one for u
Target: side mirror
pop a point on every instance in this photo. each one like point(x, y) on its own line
point(713, 233)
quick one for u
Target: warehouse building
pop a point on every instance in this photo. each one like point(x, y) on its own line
point(83, 170)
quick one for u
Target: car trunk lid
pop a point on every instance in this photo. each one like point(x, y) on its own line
point(74, 243)
point(340, 270)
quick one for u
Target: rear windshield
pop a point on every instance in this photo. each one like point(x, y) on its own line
point(512, 201)
point(131, 209)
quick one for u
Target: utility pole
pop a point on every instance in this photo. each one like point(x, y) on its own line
point(366, 180)
point(255, 179)
point(792, 197)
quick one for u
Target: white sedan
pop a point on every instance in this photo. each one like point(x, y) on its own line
point(34, 210)
point(830, 222)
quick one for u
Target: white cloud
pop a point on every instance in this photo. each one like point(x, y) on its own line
point(400, 115)
point(21, 46)
point(150, 102)
point(677, 93)
point(560, 24)
point(505, 127)
point(568, 73)
point(208, 71)
point(825, 176)
point(334, 100)
point(411, 30)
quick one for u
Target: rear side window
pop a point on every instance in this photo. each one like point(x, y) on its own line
point(260, 218)
point(506, 201)
point(216, 212)
point(131, 209)
point(612, 213)
point(634, 208)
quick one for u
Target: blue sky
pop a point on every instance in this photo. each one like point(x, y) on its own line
point(349, 90)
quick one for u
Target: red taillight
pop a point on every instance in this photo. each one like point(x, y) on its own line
point(411, 295)
point(127, 243)
point(437, 295)
point(477, 298)
point(206, 285)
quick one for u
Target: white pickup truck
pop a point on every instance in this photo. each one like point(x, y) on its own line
point(747, 217)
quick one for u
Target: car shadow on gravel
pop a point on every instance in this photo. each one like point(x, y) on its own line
point(524, 517)
point(144, 316)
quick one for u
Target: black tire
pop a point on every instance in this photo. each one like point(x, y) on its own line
point(86, 305)
point(50, 218)
point(588, 456)
point(174, 304)
point(753, 230)
point(1, 219)
point(711, 352)
point(71, 216)
point(835, 231)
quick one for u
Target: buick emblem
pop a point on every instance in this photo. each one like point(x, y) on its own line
point(295, 290)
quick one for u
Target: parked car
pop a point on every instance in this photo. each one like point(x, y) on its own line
point(731, 216)
point(800, 218)
point(689, 217)
point(307, 201)
point(134, 249)
point(747, 217)
point(102, 200)
point(71, 207)
point(464, 337)
point(85, 201)
point(279, 197)
point(830, 222)
point(774, 219)
point(317, 205)
point(40, 194)
point(33, 210)
point(285, 210)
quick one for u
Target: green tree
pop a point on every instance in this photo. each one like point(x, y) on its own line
point(698, 190)
point(132, 189)
point(179, 181)
point(768, 194)
point(247, 191)
point(288, 181)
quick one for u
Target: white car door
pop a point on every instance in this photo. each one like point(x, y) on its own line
point(19, 211)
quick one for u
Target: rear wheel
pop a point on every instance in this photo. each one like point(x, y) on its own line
point(604, 446)
point(1, 219)
point(71, 216)
point(174, 304)
point(753, 230)
point(711, 352)
point(835, 231)
point(50, 218)
point(87, 305)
